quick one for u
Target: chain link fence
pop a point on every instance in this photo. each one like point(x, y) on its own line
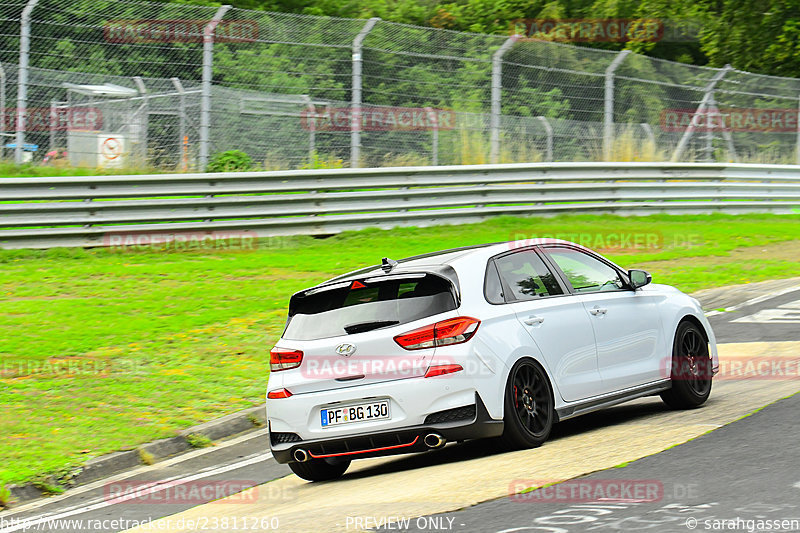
point(126, 84)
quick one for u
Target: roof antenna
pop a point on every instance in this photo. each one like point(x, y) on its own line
point(388, 264)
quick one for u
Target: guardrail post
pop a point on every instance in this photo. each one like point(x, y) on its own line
point(205, 90)
point(496, 98)
point(22, 77)
point(608, 114)
point(709, 94)
point(355, 94)
point(549, 130)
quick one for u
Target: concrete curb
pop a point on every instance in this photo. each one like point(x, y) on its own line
point(736, 295)
point(116, 462)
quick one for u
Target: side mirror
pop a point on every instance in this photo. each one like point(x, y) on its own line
point(639, 278)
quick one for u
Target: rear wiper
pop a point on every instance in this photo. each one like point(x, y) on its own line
point(367, 326)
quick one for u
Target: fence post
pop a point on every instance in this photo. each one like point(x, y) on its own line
point(433, 118)
point(3, 111)
point(311, 122)
point(549, 130)
point(53, 115)
point(22, 77)
point(709, 94)
point(797, 161)
point(648, 131)
point(497, 90)
point(182, 155)
point(726, 134)
point(205, 90)
point(355, 94)
point(144, 119)
point(608, 114)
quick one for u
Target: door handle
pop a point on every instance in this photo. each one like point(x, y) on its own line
point(533, 319)
point(596, 310)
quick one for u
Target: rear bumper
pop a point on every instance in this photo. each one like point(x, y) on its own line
point(395, 441)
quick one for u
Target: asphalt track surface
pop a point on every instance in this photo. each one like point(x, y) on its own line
point(774, 320)
point(741, 477)
point(748, 462)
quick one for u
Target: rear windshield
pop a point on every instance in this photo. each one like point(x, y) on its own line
point(367, 305)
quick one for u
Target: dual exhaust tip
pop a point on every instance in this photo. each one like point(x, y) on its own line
point(431, 440)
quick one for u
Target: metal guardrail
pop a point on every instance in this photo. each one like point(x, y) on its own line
point(86, 211)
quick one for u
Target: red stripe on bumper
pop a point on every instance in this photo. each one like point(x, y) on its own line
point(322, 456)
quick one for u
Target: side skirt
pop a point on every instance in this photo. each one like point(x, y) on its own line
point(595, 404)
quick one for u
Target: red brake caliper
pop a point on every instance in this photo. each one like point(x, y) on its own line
point(516, 398)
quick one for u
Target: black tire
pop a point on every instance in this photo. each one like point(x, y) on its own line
point(320, 469)
point(529, 410)
point(691, 369)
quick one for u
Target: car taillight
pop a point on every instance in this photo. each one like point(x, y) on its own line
point(440, 370)
point(446, 332)
point(284, 359)
point(278, 394)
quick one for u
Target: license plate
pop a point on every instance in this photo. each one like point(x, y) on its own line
point(362, 412)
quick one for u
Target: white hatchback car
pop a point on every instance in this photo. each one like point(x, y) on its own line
point(499, 340)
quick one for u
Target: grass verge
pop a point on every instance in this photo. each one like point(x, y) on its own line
point(9, 169)
point(102, 350)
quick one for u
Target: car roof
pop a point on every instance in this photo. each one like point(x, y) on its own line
point(435, 261)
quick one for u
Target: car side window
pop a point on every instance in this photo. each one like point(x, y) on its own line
point(526, 276)
point(584, 272)
point(492, 289)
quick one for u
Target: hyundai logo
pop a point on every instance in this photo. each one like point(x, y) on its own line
point(346, 349)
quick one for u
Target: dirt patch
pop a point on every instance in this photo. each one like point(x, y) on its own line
point(781, 251)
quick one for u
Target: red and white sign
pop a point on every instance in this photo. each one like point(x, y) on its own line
point(111, 148)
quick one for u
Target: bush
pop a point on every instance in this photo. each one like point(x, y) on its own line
point(318, 162)
point(230, 161)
